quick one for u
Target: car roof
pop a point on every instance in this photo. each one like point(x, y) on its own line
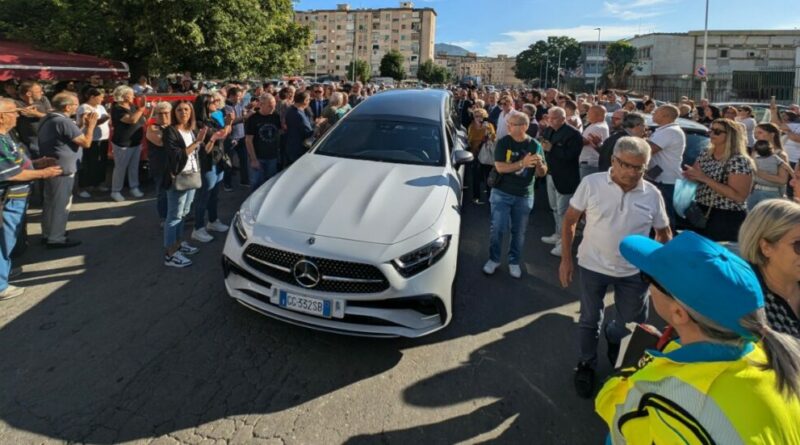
point(412, 103)
point(685, 124)
point(752, 104)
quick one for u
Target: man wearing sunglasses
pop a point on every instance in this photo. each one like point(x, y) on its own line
point(318, 102)
point(616, 203)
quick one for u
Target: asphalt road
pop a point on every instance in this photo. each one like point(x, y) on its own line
point(109, 346)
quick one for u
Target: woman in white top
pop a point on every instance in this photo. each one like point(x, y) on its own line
point(181, 142)
point(92, 173)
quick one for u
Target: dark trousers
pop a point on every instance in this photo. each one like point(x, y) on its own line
point(667, 191)
point(93, 165)
point(237, 146)
point(723, 225)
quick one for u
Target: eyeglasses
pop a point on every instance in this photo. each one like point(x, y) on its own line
point(637, 168)
point(718, 131)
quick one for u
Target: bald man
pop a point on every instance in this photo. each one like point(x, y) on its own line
point(667, 143)
point(593, 136)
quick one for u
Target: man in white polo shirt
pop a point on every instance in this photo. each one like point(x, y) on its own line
point(616, 203)
point(667, 143)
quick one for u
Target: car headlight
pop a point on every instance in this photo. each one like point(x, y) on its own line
point(418, 260)
point(242, 222)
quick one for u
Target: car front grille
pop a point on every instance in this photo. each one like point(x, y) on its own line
point(336, 276)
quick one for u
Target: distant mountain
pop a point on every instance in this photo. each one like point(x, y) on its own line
point(452, 50)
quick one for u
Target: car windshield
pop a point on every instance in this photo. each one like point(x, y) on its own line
point(385, 141)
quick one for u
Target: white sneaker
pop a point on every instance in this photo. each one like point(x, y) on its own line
point(556, 250)
point(202, 236)
point(514, 270)
point(490, 267)
point(84, 194)
point(217, 226)
point(117, 196)
point(11, 292)
point(177, 260)
point(136, 192)
point(552, 239)
point(188, 249)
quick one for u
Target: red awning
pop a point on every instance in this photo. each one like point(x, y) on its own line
point(20, 61)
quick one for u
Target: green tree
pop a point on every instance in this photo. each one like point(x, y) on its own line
point(440, 75)
point(426, 71)
point(362, 68)
point(220, 39)
point(622, 63)
point(540, 60)
point(392, 65)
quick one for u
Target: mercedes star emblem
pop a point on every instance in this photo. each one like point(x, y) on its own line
point(306, 273)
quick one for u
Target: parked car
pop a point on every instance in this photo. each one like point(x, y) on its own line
point(360, 235)
point(761, 112)
point(696, 136)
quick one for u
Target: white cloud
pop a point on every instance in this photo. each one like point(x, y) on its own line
point(633, 10)
point(517, 41)
point(467, 44)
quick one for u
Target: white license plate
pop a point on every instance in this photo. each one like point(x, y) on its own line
point(301, 303)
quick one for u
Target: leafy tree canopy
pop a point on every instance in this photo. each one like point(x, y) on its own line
point(429, 72)
point(221, 38)
point(540, 60)
point(392, 65)
point(622, 62)
point(362, 68)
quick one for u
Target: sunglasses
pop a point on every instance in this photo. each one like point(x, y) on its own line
point(717, 131)
point(650, 280)
point(638, 168)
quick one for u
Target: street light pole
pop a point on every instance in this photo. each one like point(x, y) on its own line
point(599, 62)
point(558, 70)
point(705, 58)
point(546, 70)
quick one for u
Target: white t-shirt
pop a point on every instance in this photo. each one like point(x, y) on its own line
point(502, 129)
point(191, 163)
point(750, 128)
point(611, 215)
point(589, 154)
point(101, 131)
point(792, 148)
point(672, 141)
point(575, 122)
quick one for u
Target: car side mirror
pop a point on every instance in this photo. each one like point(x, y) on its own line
point(462, 157)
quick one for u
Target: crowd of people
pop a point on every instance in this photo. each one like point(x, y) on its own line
point(615, 188)
point(618, 186)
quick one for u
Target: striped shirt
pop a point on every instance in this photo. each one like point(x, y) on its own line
point(12, 161)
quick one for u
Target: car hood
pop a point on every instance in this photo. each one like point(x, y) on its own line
point(377, 202)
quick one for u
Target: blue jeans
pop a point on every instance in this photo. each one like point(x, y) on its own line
point(757, 196)
point(206, 197)
point(178, 204)
point(667, 192)
point(630, 305)
point(507, 209)
point(241, 151)
point(13, 212)
point(269, 168)
point(558, 203)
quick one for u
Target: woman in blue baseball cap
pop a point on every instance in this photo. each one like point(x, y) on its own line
point(728, 379)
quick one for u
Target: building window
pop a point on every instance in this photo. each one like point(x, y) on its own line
point(723, 54)
point(376, 47)
point(402, 37)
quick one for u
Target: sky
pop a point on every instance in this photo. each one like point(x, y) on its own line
point(492, 27)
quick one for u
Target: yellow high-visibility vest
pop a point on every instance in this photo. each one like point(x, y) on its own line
point(701, 393)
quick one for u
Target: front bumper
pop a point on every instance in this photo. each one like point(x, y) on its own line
point(410, 307)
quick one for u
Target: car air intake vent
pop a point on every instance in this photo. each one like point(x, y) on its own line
point(320, 274)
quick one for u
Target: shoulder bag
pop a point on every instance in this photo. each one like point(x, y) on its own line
point(486, 154)
point(189, 180)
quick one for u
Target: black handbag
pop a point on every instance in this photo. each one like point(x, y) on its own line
point(494, 179)
point(696, 216)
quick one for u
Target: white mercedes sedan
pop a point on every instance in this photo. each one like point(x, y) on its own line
point(360, 235)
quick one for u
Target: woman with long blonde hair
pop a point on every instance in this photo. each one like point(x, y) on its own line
point(725, 173)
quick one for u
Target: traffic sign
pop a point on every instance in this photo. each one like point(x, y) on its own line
point(701, 71)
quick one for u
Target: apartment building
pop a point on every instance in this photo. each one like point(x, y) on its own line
point(343, 34)
point(492, 70)
point(592, 62)
point(741, 64)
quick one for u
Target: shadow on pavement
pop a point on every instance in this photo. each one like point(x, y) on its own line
point(534, 397)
